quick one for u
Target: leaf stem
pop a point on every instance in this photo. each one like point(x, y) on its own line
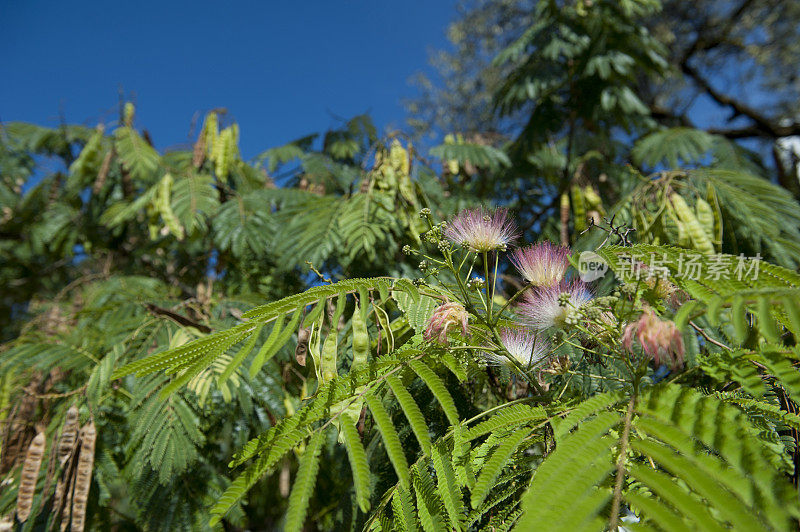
point(623, 449)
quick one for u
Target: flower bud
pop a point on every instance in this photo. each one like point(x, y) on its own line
point(660, 339)
point(443, 318)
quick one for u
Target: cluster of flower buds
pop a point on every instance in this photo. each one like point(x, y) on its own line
point(444, 317)
point(601, 324)
point(660, 286)
point(660, 339)
point(476, 283)
point(558, 365)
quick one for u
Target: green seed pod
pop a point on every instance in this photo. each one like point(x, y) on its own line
point(211, 131)
point(592, 198)
point(705, 216)
point(329, 353)
point(360, 339)
point(683, 234)
point(578, 208)
point(700, 239)
point(127, 114)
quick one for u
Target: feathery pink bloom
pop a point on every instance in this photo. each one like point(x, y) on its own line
point(481, 229)
point(543, 264)
point(540, 307)
point(521, 344)
point(445, 316)
point(660, 339)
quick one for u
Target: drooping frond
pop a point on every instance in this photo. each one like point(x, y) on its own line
point(665, 474)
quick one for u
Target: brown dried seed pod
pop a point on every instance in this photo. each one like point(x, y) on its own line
point(83, 477)
point(58, 498)
point(301, 350)
point(284, 480)
point(69, 433)
point(199, 154)
point(63, 454)
point(19, 427)
point(103, 173)
point(63, 487)
point(30, 473)
point(70, 485)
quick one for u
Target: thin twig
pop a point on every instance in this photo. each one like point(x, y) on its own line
point(623, 450)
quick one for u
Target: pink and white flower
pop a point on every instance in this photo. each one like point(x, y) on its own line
point(444, 317)
point(660, 339)
point(481, 230)
point(541, 309)
point(523, 345)
point(543, 264)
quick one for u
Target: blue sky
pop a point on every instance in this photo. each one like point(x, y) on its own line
point(282, 69)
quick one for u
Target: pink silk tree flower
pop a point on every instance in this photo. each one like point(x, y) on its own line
point(660, 339)
point(445, 316)
point(522, 344)
point(481, 230)
point(541, 308)
point(543, 264)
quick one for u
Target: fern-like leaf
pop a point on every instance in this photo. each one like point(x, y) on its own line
point(304, 484)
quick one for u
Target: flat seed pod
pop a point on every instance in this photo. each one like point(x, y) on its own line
point(301, 350)
point(58, 496)
point(17, 435)
point(83, 477)
point(700, 239)
point(30, 473)
point(329, 356)
point(360, 339)
point(70, 486)
point(578, 208)
point(705, 215)
point(69, 433)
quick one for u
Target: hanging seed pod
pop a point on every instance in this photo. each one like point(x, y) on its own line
point(578, 208)
point(683, 234)
point(360, 339)
point(70, 485)
point(58, 498)
point(593, 199)
point(300, 352)
point(705, 215)
point(19, 427)
point(199, 149)
point(210, 131)
point(62, 498)
point(329, 355)
point(30, 473)
point(69, 433)
point(284, 480)
point(564, 219)
point(102, 174)
point(700, 239)
point(127, 114)
point(83, 477)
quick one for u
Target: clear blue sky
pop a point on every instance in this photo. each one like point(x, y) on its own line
point(280, 68)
